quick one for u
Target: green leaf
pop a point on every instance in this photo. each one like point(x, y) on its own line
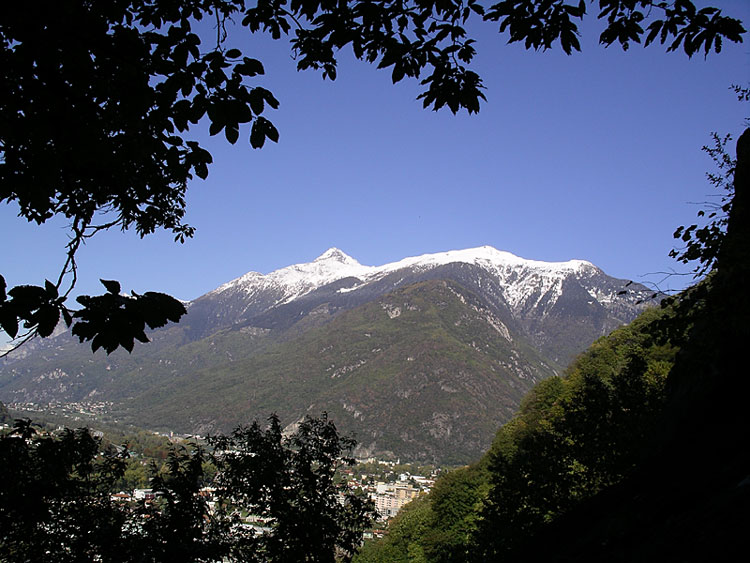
point(257, 100)
point(267, 96)
point(127, 343)
point(271, 132)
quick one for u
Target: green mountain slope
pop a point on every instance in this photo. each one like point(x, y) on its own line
point(422, 358)
point(424, 372)
point(574, 437)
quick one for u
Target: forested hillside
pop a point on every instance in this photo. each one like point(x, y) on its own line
point(573, 436)
point(637, 454)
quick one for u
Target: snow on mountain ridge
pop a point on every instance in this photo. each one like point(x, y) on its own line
point(334, 253)
point(520, 277)
point(298, 279)
point(487, 257)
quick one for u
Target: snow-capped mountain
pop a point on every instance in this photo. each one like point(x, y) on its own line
point(423, 358)
point(298, 279)
point(530, 290)
point(521, 278)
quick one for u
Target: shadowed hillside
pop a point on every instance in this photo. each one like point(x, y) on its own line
point(637, 454)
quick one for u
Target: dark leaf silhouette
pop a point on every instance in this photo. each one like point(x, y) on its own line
point(112, 320)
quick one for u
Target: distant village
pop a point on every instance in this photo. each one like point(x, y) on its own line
point(389, 497)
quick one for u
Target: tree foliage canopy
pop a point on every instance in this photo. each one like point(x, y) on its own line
point(98, 100)
point(56, 505)
point(578, 435)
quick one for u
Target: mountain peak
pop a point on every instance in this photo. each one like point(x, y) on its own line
point(336, 255)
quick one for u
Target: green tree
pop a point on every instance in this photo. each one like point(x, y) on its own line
point(55, 500)
point(404, 542)
point(178, 525)
point(680, 495)
point(54, 497)
point(289, 483)
point(135, 476)
point(578, 435)
point(439, 527)
point(98, 100)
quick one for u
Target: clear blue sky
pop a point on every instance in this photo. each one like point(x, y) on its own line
point(594, 156)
